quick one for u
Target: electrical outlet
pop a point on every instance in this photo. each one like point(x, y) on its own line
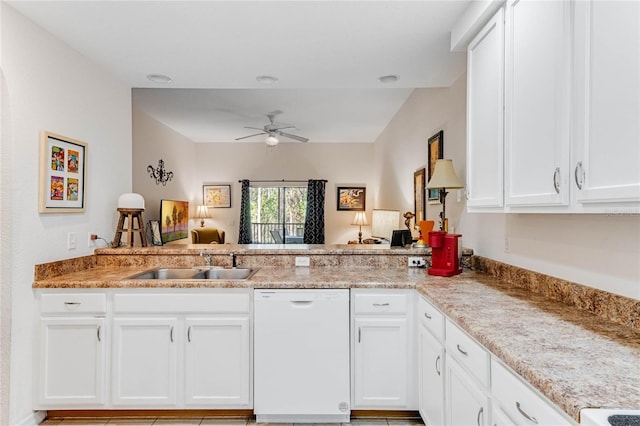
point(91, 238)
point(302, 261)
point(416, 262)
point(72, 241)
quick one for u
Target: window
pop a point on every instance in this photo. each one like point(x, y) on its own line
point(278, 214)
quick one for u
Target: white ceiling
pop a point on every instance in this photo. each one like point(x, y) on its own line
point(327, 56)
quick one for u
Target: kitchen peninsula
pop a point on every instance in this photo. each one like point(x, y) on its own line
point(571, 357)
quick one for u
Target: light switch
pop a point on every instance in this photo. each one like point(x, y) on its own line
point(72, 241)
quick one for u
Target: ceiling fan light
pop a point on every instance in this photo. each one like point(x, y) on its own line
point(272, 140)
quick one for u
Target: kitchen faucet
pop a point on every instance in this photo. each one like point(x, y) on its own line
point(207, 257)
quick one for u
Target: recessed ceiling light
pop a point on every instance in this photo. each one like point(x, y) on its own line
point(266, 79)
point(159, 78)
point(391, 78)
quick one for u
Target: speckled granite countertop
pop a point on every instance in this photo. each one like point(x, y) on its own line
point(576, 359)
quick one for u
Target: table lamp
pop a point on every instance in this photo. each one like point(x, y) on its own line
point(359, 220)
point(443, 178)
point(202, 213)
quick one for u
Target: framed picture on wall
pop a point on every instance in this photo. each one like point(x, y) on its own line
point(419, 195)
point(217, 196)
point(435, 151)
point(351, 198)
point(63, 171)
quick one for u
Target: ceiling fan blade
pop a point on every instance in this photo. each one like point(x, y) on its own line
point(294, 137)
point(250, 136)
point(255, 128)
point(286, 126)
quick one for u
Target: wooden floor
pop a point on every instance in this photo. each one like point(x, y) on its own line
point(217, 421)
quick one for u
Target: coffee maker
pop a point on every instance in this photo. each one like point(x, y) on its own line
point(445, 259)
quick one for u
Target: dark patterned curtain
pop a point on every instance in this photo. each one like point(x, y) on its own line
point(244, 236)
point(314, 221)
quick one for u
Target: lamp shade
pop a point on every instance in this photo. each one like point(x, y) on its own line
point(360, 219)
point(444, 176)
point(202, 212)
point(131, 201)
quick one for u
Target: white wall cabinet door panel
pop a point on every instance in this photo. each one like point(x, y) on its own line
point(72, 362)
point(431, 370)
point(607, 103)
point(381, 362)
point(217, 362)
point(485, 116)
point(145, 361)
point(537, 144)
point(466, 403)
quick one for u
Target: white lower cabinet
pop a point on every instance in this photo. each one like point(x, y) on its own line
point(145, 362)
point(217, 356)
point(71, 362)
point(431, 369)
point(382, 346)
point(467, 403)
point(70, 369)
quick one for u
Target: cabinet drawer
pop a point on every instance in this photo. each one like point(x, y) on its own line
point(182, 303)
point(521, 402)
point(432, 318)
point(380, 303)
point(468, 352)
point(73, 303)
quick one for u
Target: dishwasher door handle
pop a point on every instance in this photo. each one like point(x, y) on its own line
point(301, 303)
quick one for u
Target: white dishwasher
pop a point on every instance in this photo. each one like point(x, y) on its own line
point(301, 356)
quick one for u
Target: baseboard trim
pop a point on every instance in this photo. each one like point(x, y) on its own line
point(33, 419)
point(52, 414)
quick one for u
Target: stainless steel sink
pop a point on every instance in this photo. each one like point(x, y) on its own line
point(195, 274)
point(228, 274)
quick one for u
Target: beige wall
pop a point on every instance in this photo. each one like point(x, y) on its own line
point(600, 251)
point(195, 164)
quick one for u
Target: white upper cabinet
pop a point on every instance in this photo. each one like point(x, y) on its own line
point(606, 156)
point(485, 112)
point(537, 138)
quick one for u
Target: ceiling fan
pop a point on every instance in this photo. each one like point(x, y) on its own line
point(273, 130)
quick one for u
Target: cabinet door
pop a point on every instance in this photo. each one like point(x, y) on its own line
point(466, 402)
point(431, 363)
point(217, 362)
point(485, 112)
point(537, 98)
point(72, 362)
point(607, 102)
point(381, 363)
point(144, 361)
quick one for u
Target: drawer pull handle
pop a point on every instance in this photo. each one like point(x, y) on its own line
point(438, 365)
point(462, 351)
point(189, 334)
point(427, 316)
point(71, 305)
point(381, 304)
point(480, 412)
point(359, 334)
point(98, 333)
point(526, 416)
point(171, 334)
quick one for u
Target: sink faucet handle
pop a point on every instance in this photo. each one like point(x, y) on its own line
point(207, 257)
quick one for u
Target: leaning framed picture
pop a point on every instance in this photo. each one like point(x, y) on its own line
point(435, 150)
point(351, 198)
point(419, 206)
point(218, 196)
point(63, 173)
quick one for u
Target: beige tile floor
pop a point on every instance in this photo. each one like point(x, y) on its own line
point(214, 421)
